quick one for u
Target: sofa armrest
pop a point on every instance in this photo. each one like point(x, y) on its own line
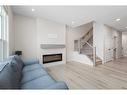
point(58, 85)
point(30, 62)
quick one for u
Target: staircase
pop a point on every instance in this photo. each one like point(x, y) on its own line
point(84, 45)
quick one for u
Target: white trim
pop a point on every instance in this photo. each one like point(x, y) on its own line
point(6, 9)
point(4, 32)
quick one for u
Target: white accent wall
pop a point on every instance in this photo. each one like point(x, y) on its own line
point(49, 32)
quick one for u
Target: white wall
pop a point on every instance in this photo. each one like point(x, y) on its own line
point(75, 34)
point(25, 36)
point(45, 28)
point(98, 39)
point(11, 31)
point(124, 43)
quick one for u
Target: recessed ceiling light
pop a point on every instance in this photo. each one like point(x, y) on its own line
point(72, 22)
point(118, 19)
point(33, 10)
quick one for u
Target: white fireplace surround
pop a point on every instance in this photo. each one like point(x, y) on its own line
point(53, 49)
point(51, 39)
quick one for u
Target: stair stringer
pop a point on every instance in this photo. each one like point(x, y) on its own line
point(82, 58)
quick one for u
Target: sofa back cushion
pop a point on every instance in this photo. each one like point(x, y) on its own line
point(8, 76)
point(20, 62)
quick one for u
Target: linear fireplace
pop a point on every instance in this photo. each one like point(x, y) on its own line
point(48, 58)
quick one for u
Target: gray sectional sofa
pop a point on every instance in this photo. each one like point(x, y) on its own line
point(16, 74)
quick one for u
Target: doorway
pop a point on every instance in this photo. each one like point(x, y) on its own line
point(110, 49)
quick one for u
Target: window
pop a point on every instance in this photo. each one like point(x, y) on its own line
point(3, 33)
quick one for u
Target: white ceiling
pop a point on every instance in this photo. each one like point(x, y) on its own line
point(78, 14)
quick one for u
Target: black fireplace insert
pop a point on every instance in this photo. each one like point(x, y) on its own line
point(48, 58)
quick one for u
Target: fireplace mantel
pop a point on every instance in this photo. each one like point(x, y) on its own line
point(52, 46)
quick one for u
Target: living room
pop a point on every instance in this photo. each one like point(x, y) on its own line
point(63, 47)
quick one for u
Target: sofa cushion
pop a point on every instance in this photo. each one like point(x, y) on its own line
point(31, 75)
point(31, 62)
point(31, 67)
point(20, 62)
point(8, 77)
point(39, 83)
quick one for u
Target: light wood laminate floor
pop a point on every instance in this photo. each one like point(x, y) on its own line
point(112, 75)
